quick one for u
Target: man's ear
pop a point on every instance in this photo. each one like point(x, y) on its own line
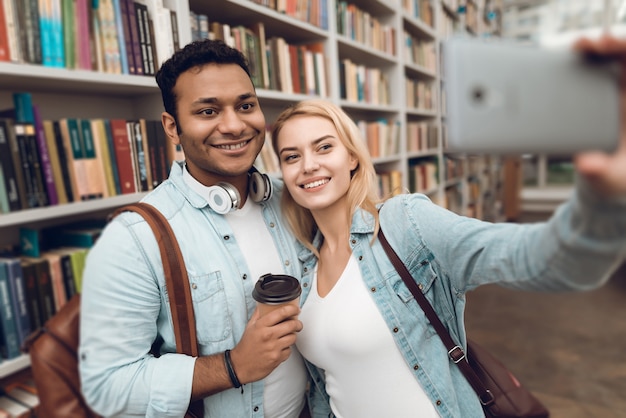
point(170, 128)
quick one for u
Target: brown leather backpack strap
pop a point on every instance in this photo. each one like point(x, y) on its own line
point(177, 282)
point(176, 277)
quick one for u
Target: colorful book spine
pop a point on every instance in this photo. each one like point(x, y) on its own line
point(45, 30)
point(56, 29)
point(131, 21)
point(8, 169)
point(18, 296)
point(121, 41)
point(7, 318)
point(5, 51)
point(55, 161)
point(124, 156)
point(44, 157)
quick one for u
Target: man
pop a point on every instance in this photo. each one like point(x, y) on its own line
point(212, 111)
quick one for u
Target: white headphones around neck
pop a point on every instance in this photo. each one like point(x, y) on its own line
point(224, 197)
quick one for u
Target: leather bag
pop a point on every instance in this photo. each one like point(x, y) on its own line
point(499, 391)
point(53, 348)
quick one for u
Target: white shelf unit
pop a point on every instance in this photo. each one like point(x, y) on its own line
point(84, 94)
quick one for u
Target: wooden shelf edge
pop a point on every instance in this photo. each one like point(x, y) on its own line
point(8, 367)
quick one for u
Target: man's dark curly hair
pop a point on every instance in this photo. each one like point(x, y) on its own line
point(195, 54)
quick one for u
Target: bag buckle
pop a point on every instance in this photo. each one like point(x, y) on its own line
point(456, 354)
point(487, 398)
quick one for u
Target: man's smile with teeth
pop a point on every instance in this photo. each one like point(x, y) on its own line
point(233, 146)
point(315, 184)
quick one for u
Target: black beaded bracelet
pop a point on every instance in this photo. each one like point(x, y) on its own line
point(231, 371)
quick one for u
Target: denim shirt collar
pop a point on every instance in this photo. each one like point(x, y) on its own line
point(179, 182)
point(362, 223)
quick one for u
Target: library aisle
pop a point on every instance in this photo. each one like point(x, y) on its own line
point(566, 348)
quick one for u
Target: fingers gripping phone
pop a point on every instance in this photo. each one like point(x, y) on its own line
point(504, 97)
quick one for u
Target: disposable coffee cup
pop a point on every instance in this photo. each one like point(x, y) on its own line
point(272, 291)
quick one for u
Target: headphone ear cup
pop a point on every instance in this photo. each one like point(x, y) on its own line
point(223, 198)
point(260, 188)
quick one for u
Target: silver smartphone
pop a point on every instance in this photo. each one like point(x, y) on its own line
point(504, 97)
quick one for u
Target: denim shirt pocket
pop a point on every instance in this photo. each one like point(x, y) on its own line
point(209, 298)
point(429, 282)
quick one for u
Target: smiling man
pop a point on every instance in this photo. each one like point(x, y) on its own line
point(227, 219)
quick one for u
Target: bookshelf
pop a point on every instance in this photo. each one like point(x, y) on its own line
point(470, 185)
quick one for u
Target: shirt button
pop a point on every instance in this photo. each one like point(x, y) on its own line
point(438, 402)
point(360, 257)
point(226, 237)
point(256, 409)
point(245, 276)
point(420, 286)
point(354, 241)
point(305, 285)
point(416, 367)
point(306, 269)
point(287, 262)
point(373, 289)
point(395, 329)
point(194, 286)
point(272, 224)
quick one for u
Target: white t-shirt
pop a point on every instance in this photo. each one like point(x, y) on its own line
point(345, 335)
point(285, 386)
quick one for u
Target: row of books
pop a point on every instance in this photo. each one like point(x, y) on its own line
point(33, 289)
point(19, 398)
point(381, 136)
point(40, 276)
point(113, 36)
point(423, 176)
point(359, 83)
point(421, 136)
point(420, 94)
point(314, 12)
point(274, 63)
point(420, 9)
point(50, 162)
point(420, 52)
point(389, 183)
point(360, 26)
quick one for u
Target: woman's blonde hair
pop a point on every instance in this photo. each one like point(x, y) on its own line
point(362, 191)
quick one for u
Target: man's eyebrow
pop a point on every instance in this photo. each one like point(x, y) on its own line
point(213, 100)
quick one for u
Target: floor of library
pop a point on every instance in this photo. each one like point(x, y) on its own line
point(568, 349)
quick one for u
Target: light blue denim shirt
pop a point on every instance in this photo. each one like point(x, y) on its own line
point(125, 306)
point(449, 255)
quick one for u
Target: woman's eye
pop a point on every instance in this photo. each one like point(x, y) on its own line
point(325, 147)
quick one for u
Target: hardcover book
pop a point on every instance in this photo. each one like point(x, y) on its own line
point(17, 290)
point(123, 155)
point(55, 161)
point(7, 318)
point(44, 159)
point(11, 183)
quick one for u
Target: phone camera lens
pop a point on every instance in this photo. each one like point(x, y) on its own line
point(478, 95)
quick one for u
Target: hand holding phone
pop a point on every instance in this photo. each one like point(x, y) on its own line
point(507, 98)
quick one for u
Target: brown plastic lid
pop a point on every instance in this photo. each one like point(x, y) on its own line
point(274, 289)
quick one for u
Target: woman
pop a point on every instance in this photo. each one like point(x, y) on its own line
point(371, 350)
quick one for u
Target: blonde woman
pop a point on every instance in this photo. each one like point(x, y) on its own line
point(369, 347)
